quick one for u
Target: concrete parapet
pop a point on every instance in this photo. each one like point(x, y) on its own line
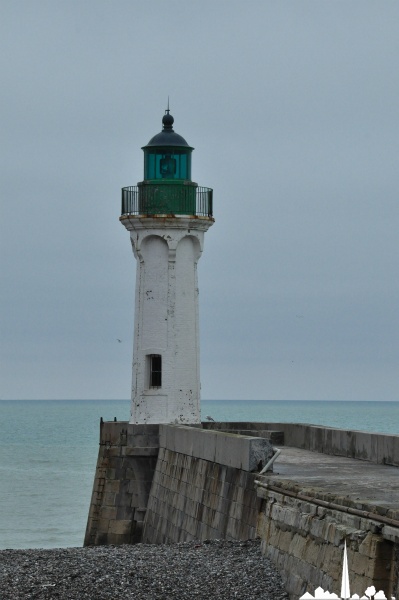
point(251, 429)
point(239, 452)
point(378, 448)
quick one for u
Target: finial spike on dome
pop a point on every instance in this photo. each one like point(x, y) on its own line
point(167, 120)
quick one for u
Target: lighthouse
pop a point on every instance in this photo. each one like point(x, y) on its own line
point(167, 215)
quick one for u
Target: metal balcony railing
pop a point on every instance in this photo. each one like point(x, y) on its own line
point(170, 199)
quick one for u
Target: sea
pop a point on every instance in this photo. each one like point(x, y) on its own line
point(48, 453)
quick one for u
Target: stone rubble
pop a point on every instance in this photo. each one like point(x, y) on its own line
point(192, 570)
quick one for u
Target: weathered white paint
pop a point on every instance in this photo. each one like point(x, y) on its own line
point(167, 250)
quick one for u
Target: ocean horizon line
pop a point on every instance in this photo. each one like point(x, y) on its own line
point(202, 400)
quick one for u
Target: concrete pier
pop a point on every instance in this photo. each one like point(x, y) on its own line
point(312, 503)
point(167, 483)
point(359, 484)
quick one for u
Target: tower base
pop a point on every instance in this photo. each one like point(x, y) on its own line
point(125, 468)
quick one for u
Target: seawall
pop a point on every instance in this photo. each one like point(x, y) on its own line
point(204, 486)
point(125, 468)
point(172, 483)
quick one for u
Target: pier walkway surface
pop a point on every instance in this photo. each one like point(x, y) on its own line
point(349, 482)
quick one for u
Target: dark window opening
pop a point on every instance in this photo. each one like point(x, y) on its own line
point(155, 370)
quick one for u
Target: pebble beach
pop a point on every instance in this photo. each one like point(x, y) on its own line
point(201, 570)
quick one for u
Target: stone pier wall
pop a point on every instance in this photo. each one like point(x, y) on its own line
point(305, 541)
point(125, 467)
point(204, 486)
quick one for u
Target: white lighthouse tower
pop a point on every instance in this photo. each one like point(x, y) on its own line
point(167, 215)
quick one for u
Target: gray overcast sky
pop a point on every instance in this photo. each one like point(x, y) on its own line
point(292, 107)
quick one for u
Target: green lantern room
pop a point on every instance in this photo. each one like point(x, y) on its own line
point(167, 188)
point(167, 156)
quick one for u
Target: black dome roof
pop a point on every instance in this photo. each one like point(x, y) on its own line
point(167, 137)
